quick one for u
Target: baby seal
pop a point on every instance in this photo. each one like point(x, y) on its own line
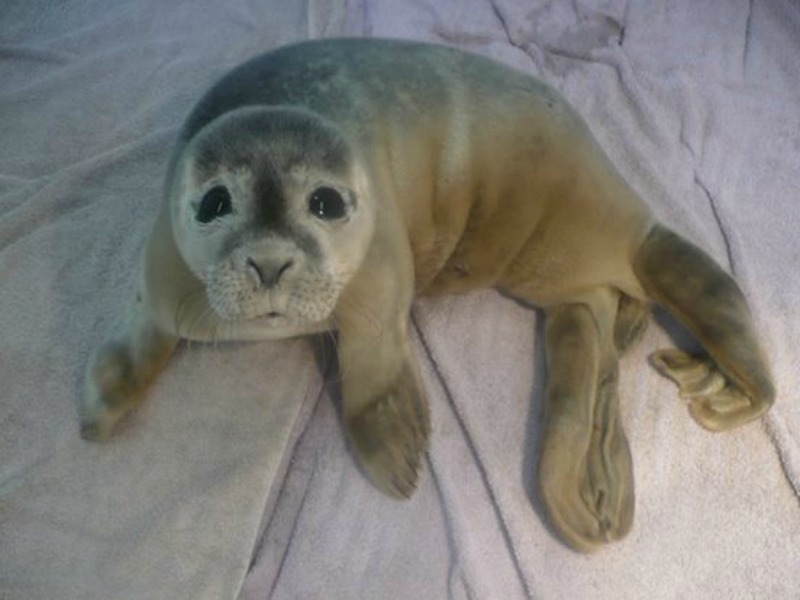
point(324, 185)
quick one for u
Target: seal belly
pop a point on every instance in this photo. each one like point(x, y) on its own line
point(531, 205)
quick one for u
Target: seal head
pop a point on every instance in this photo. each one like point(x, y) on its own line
point(269, 210)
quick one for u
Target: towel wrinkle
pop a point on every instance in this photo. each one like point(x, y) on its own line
point(34, 54)
point(454, 563)
point(476, 458)
point(501, 19)
point(269, 514)
point(720, 224)
point(747, 39)
point(787, 447)
point(291, 538)
point(28, 218)
point(453, 554)
point(260, 545)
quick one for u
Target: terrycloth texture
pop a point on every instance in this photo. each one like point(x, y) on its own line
point(698, 104)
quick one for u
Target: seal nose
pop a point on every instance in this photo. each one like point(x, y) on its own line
point(267, 274)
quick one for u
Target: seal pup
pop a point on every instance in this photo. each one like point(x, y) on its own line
point(324, 185)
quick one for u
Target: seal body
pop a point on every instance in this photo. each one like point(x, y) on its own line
point(326, 184)
point(481, 161)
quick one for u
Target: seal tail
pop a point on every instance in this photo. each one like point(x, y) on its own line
point(731, 385)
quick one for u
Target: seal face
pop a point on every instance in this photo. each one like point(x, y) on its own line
point(267, 213)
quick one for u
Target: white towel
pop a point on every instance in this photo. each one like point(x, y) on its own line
point(234, 478)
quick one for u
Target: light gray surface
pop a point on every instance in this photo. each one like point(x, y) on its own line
point(699, 106)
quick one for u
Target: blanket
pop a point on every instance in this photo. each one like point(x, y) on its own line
point(234, 479)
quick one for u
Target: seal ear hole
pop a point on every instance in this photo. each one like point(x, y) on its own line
point(216, 203)
point(327, 204)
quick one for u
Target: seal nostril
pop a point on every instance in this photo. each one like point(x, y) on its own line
point(254, 271)
point(283, 269)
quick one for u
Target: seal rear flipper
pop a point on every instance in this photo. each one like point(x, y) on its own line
point(631, 323)
point(585, 476)
point(731, 385)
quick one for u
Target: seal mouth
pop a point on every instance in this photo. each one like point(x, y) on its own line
point(273, 318)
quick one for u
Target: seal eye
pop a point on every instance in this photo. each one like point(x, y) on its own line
point(216, 203)
point(327, 204)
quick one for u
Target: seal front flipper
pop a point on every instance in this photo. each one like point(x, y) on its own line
point(384, 403)
point(385, 406)
point(390, 432)
point(731, 385)
point(121, 370)
point(141, 343)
